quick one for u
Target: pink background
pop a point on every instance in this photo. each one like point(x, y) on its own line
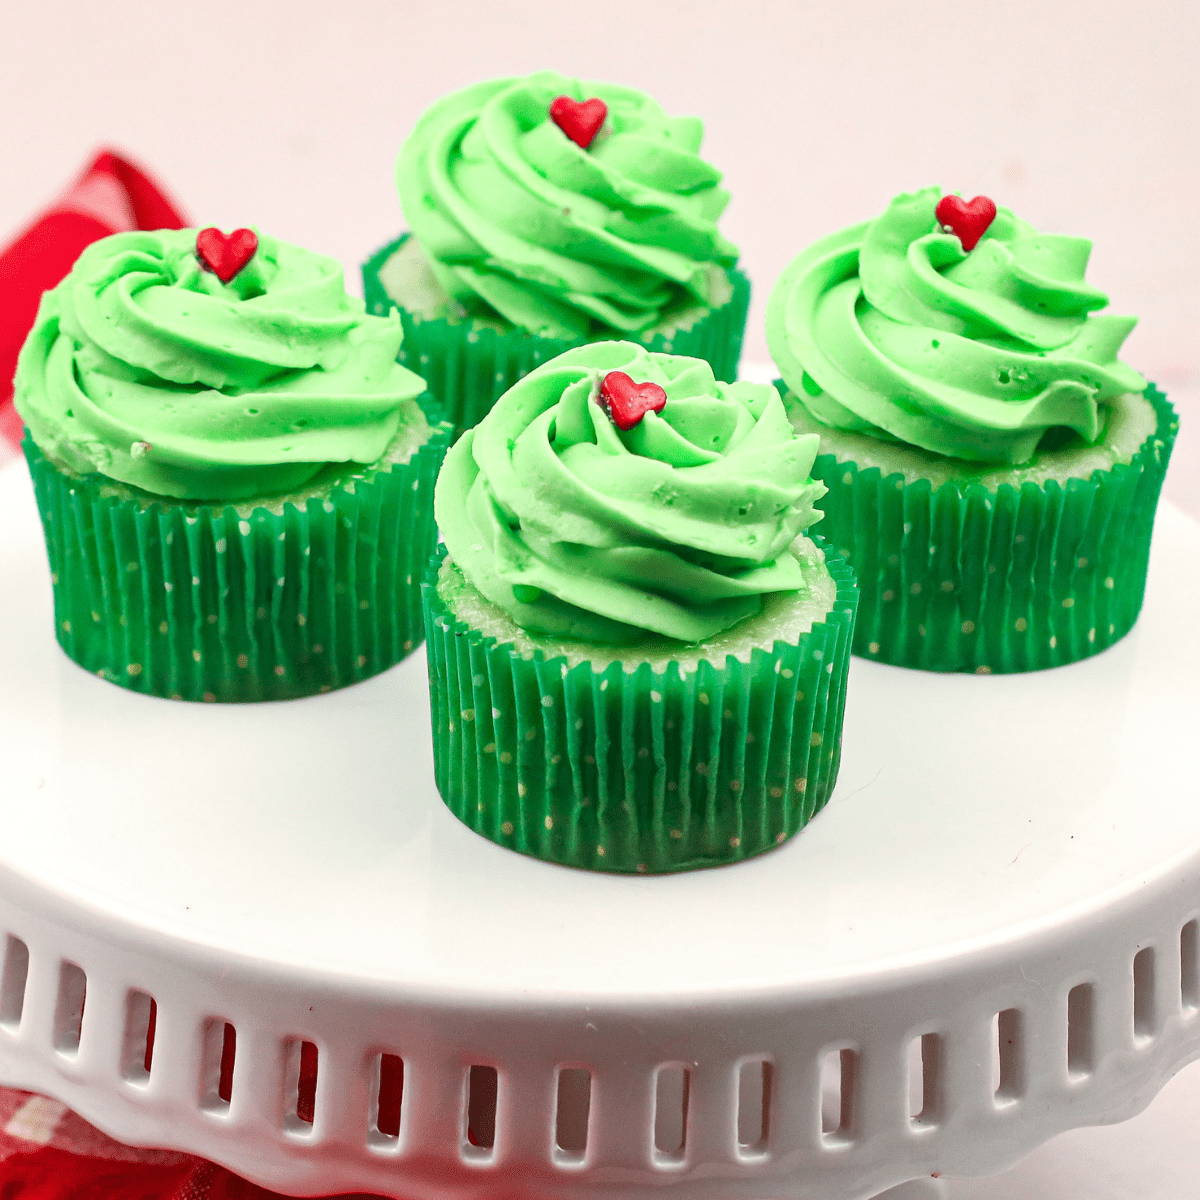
point(1083, 117)
point(1080, 116)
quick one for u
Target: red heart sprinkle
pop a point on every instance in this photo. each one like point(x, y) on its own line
point(629, 402)
point(225, 256)
point(579, 120)
point(968, 219)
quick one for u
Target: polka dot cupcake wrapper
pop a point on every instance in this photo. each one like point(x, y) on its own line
point(468, 365)
point(963, 579)
point(641, 771)
point(203, 602)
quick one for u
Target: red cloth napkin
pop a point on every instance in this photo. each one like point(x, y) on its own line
point(48, 1152)
point(111, 196)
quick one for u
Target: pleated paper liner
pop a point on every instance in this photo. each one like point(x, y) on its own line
point(961, 578)
point(469, 364)
point(638, 771)
point(226, 602)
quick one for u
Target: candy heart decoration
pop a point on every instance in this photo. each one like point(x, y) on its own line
point(968, 219)
point(629, 402)
point(579, 120)
point(225, 256)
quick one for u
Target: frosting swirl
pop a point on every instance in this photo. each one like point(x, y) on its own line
point(565, 242)
point(143, 366)
point(677, 526)
point(891, 329)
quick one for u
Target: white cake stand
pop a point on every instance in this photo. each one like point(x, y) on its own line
point(821, 1022)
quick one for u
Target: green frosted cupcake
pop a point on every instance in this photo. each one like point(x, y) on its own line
point(637, 659)
point(993, 468)
point(234, 474)
point(545, 213)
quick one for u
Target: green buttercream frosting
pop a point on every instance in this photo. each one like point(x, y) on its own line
point(565, 242)
point(678, 526)
point(891, 329)
point(144, 367)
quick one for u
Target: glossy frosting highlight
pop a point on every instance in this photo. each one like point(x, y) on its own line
point(678, 526)
point(561, 240)
point(890, 328)
point(145, 367)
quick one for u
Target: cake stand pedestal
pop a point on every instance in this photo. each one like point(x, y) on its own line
point(988, 937)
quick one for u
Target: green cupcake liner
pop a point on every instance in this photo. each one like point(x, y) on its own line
point(959, 578)
point(639, 771)
point(468, 365)
point(221, 603)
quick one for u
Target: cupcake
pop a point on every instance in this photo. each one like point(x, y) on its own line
point(992, 467)
point(234, 474)
point(637, 657)
point(545, 213)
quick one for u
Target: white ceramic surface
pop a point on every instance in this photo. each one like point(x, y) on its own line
point(993, 843)
point(968, 810)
